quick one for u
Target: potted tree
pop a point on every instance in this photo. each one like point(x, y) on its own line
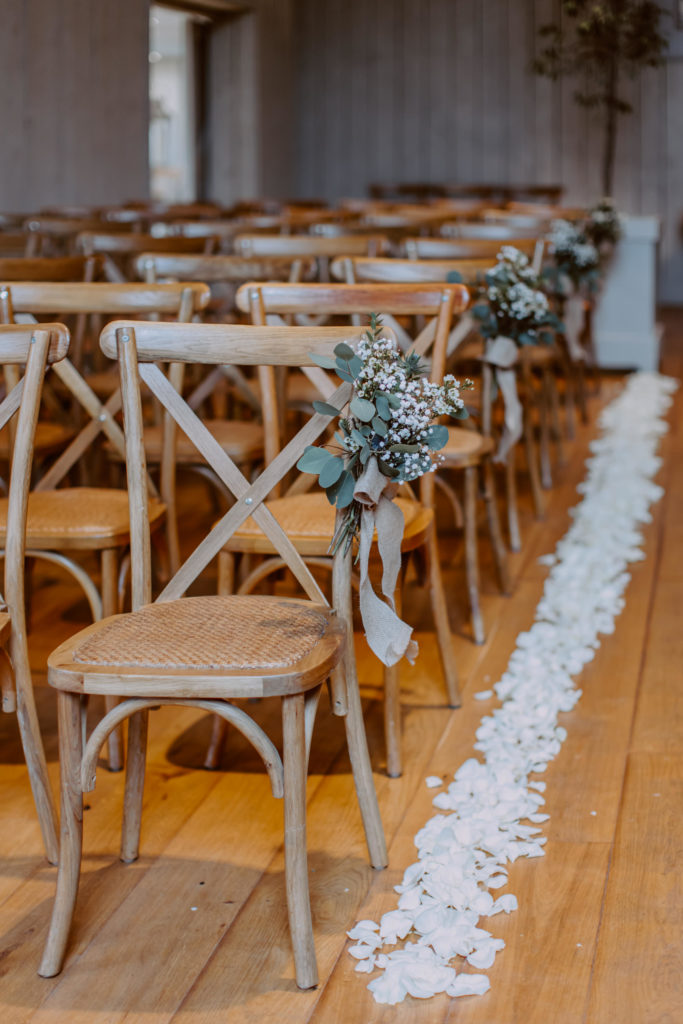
point(602, 42)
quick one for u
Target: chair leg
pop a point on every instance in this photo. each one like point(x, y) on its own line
point(356, 739)
point(296, 857)
point(34, 754)
point(70, 754)
point(554, 407)
point(219, 728)
point(546, 470)
point(514, 532)
point(135, 784)
point(532, 465)
point(471, 554)
point(441, 622)
point(499, 552)
point(110, 606)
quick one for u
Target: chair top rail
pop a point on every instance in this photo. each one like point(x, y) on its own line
point(409, 271)
point(465, 248)
point(345, 299)
point(15, 342)
point(128, 298)
point(240, 344)
point(212, 269)
point(128, 243)
point(310, 245)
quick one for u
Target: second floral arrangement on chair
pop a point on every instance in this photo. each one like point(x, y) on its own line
point(512, 310)
point(386, 438)
point(389, 433)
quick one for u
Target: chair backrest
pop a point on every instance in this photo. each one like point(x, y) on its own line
point(215, 269)
point(138, 347)
point(408, 271)
point(313, 246)
point(36, 347)
point(118, 249)
point(181, 300)
point(464, 248)
point(501, 232)
point(437, 302)
point(49, 268)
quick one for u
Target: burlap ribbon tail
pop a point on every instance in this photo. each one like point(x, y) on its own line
point(502, 354)
point(388, 636)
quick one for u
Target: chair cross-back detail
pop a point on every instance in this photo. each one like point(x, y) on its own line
point(62, 520)
point(205, 651)
point(36, 347)
point(309, 515)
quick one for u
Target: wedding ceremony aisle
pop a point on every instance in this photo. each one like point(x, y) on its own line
point(195, 931)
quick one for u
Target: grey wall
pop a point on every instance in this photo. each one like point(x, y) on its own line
point(398, 90)
point(73, 102)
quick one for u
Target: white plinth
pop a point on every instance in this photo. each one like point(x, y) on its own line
point(624, 327)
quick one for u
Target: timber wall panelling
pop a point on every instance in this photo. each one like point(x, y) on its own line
point(74, 111)
point(398, 90)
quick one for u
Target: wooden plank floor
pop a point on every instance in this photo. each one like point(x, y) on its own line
point(196, 933)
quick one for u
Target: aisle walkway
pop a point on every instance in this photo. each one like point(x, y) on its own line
point(195, 932)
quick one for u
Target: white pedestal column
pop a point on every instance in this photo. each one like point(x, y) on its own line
point(624, 327)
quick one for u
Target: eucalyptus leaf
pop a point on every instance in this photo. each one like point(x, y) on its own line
point(358, 437)
point(331, 471)
point(387, 470)
point(313, 459)
point(382, 406)
point(404, 448)
point(437, 437)
point(346, 486)
point(325, 409)
point(327, 362)
point(344, 351)
point(362, 409)
point(380, 427)
point(355, 365)
point(365, 455)
point(394, 401)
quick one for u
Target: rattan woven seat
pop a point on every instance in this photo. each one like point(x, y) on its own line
point(78, 517)
point(308, 520)
point(50, 438)
point(222, 638)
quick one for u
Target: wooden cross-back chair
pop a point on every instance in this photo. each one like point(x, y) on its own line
point(308, 515)
point(317, 247)
point(119, 249)
point(63, 520)
point(205, 652)
point(49, 268)
point(224, 274)
point(502, 232)
point(36, 348)
point(471, 249)
point(463, 347)
point(56, 235)
point(467, 449)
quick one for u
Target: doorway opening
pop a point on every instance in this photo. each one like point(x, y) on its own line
point(175, 102)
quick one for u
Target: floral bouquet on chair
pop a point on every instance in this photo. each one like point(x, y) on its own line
point(512, 310)
point(573, 277)
point(603, 227)
point(387, 437)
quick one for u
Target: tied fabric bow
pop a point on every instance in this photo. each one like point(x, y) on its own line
point(388, 636)
point(502, 353)
point(574, 318)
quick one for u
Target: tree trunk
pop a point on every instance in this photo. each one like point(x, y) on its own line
point(611, 115)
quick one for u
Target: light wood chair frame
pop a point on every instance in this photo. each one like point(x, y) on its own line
point(139, 347)
point(37, 348)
